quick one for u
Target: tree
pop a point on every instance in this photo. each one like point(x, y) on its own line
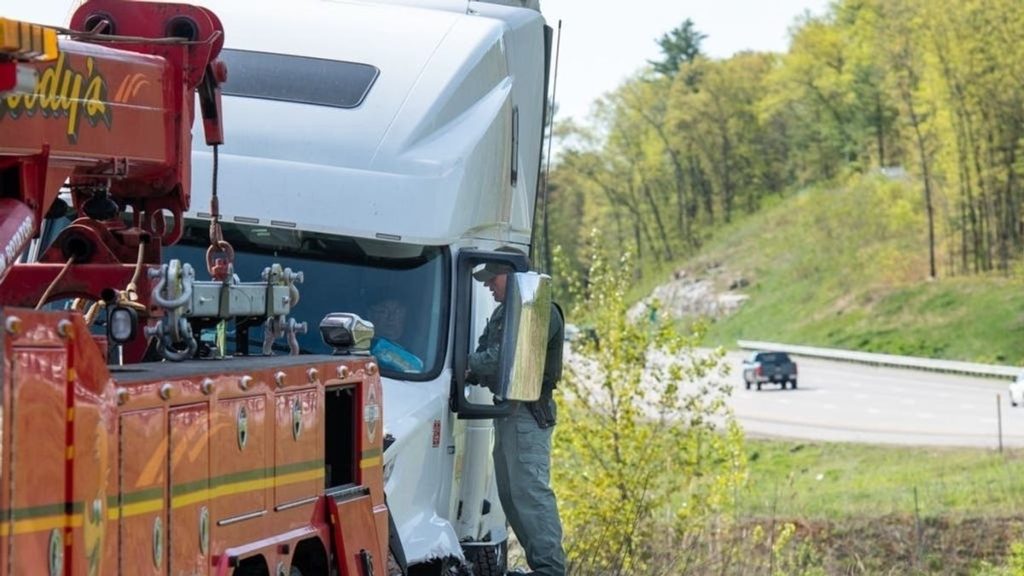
point(648, 449)
point(903, 55)
point(679, 45)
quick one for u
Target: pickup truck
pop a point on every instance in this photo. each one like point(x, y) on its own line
point(769, 368)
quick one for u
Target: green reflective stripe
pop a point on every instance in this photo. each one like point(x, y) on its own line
point(41, 511)
point(236, 477)
point(142, 496)
point(178, 490)
point(299, 467)
point(190, 487)
point(372, 453)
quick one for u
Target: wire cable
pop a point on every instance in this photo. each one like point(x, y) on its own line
point(53, 285)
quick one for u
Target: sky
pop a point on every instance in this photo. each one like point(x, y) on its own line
point(602, 41)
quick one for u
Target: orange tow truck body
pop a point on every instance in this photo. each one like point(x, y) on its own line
point(241, 465)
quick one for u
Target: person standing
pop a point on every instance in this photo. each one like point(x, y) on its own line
point(522, 448)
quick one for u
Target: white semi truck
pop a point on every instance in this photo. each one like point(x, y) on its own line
point(386, 148)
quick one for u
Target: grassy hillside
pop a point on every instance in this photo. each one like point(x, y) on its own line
point(812, 480)
point(848, 268)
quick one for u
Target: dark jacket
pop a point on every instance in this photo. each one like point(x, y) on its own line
point(483, 362)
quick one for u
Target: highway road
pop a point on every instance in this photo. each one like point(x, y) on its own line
point(838, 401)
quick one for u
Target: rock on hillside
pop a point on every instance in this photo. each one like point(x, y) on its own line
point(712, 293)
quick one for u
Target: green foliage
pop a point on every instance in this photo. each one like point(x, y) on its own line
point(823, 271)
point(679, 46)
point(928, 88)
point(648, 451)
point(1014, 564)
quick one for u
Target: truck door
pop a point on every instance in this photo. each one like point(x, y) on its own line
point(37, 447)
point(189, 481)
point(143, 495)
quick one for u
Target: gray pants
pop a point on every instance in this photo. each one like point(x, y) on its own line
point(522, 461)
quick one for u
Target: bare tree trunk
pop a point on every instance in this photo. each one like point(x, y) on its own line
point(700, 183)
point(984, 215)
point(727, 185)
point(966, 152)
point(639, 245)
point(657, 220)
point(926, 174)
point(677, 168)
point(880, 129)
point(615, 199)
point(1006, 226)
point(907, 86)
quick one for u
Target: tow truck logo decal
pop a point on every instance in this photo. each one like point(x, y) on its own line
point(63, 92)
point(371, 411)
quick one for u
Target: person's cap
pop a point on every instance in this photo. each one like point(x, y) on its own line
point(492, 269)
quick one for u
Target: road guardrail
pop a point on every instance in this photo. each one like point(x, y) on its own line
point(889, 360)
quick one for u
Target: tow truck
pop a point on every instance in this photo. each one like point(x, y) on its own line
point(383, 149)
point(234, 464)
point(390, 147)
point(143, 430)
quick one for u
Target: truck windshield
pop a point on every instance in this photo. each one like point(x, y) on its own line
point(401, 288)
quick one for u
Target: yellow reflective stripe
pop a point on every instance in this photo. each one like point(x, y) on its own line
point(296, 477)
point(41, 524)
point(368, 462)
point(191, 498)
point(246, 486)
point(157, 504)
point(136, 508)
point(239, 487)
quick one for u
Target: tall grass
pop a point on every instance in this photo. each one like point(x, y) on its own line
point(820, 481)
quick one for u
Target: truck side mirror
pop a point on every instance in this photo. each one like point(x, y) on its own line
point(500, 347)
point(527, 315)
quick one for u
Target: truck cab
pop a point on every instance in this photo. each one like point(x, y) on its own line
point(387, 149)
